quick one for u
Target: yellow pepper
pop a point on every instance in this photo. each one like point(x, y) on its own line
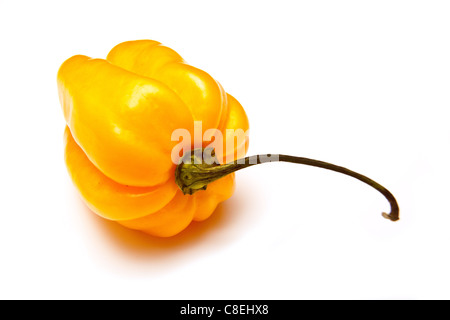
point(120, 114)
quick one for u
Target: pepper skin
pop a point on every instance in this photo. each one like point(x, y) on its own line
point(120, 114)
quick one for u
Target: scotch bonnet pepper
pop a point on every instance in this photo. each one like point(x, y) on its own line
point(120, 115)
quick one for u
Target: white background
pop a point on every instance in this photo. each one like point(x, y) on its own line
point(363, 84)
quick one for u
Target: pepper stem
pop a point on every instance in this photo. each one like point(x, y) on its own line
point(195, 172)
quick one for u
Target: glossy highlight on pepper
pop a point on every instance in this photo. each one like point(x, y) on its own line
point(120, 114)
